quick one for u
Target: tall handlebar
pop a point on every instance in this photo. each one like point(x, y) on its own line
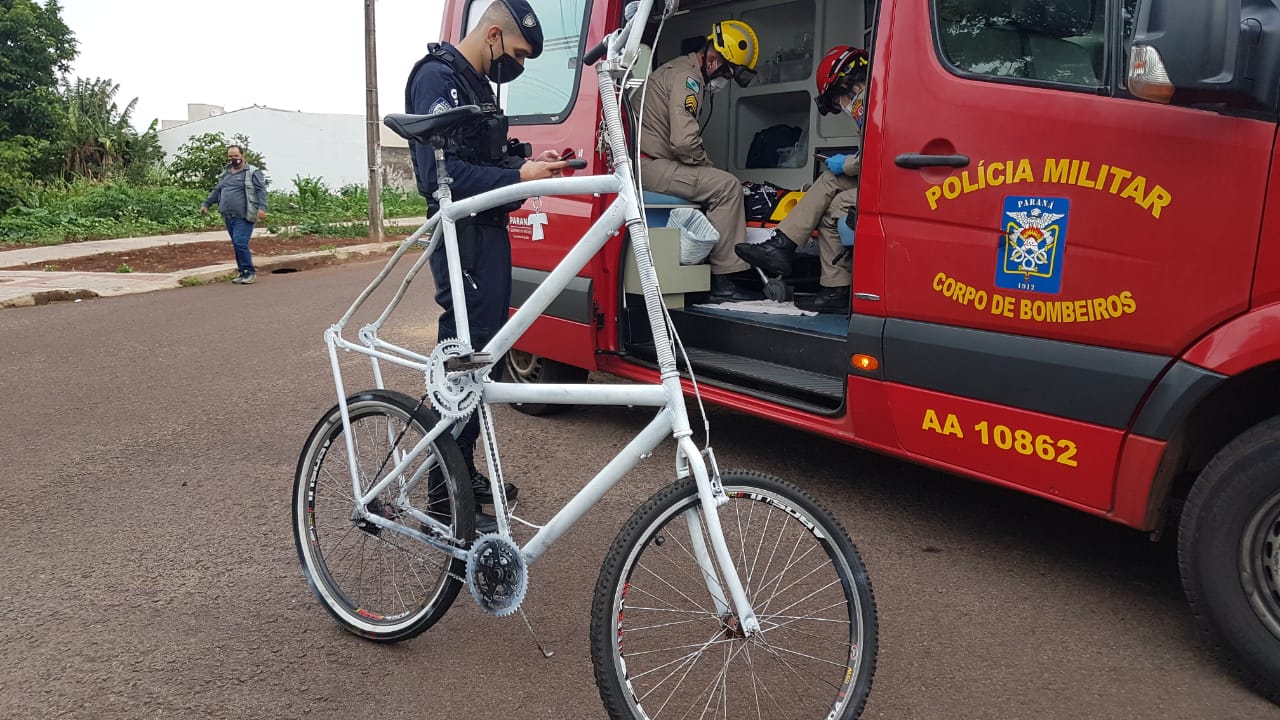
point(594, 54)
point(624, 42)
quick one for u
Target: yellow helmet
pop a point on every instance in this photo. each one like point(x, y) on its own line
point(738, 45)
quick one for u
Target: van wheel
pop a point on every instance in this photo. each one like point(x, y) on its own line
point(522, 367)
point(1229, 555)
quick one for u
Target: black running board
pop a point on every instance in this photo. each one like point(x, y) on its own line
point(801, 389)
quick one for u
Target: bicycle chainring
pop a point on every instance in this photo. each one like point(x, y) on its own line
point(454, 395)
point(497, 575)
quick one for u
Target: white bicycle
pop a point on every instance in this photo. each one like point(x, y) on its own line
point(727, 594)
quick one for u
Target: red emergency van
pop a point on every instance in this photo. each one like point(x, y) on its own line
point(1066, 271)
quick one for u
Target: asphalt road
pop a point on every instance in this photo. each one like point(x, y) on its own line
point(147, 566)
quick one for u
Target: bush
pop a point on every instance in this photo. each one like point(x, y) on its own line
point(200, 161)
point(85, 210)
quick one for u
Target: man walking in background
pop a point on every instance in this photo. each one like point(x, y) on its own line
point(241, 197)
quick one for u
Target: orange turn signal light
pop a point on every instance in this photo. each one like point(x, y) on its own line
point(865, 362)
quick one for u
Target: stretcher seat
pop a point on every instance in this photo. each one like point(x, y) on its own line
point(675, 279)
point(846, 233)
point(658, 207)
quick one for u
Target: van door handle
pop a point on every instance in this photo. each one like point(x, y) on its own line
point(915, 161)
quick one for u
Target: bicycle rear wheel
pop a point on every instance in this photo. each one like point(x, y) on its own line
point(662, 647)
point(377, 583)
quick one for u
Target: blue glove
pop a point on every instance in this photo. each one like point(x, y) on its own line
point(835, 164)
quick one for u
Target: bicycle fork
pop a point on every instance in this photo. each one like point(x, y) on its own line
point(718, 554)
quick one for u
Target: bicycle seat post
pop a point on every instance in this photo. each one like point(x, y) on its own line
point(443, 194)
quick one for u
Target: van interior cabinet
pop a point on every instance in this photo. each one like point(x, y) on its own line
point(793, 37)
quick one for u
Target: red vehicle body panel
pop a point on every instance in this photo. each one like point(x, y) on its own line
point(1246, 342)
point(1158, 270)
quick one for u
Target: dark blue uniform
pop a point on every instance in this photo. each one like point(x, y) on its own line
point(476, 162)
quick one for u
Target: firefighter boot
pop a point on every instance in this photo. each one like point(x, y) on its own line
point(772, 256)
point(830, 300)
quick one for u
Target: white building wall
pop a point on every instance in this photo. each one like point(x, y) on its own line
point(328, 147)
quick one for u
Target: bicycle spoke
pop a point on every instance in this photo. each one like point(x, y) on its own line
point(663, 625)
point(373, 573)
point(673, 587)
point(804, 650)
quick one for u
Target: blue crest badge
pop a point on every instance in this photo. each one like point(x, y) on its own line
point(1035, 234)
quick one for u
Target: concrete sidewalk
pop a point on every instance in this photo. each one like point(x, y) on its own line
point(24, 288)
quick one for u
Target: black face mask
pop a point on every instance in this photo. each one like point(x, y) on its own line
point(235, 162)
point(504, 68)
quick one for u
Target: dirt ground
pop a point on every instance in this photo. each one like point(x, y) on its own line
point(172, 258)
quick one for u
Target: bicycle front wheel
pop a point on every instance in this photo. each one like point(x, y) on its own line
point(666, 641)
point(377, 583)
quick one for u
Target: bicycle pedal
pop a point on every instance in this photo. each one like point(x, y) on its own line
point(468, 362)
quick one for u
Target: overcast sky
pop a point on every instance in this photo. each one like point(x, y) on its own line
point(289, 54)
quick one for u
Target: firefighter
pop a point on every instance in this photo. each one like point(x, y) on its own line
point(479, 158)
point(842, 88)
point(673, 160)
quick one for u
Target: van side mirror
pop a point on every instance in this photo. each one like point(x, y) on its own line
point(1207, 52)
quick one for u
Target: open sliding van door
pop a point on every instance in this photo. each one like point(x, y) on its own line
point(553, 105)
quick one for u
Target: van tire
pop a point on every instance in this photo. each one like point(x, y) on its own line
point(523, 367)
point(1229, 555)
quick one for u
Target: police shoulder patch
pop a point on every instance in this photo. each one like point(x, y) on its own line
point(439, 106)
point(693, 85)
point(691, 104)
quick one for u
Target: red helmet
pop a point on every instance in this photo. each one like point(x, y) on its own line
point(839, 69)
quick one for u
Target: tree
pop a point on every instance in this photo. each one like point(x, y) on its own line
point(99, 140)
point(36, 46)
point(200, 161)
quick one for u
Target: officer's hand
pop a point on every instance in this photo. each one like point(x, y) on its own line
point(835, 164)
point(204, 210)
point(540, 169)
point(548, 156)
point(262, 214)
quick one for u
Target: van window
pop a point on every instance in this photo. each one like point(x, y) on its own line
point(1052, 41)
point(547, 88)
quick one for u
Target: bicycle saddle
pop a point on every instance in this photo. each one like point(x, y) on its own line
point(422, 127)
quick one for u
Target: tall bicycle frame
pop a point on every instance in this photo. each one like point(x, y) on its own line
point(671, 419)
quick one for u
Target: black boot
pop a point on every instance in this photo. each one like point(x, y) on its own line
point(484, 495)
point(833, 300)
point(725, 289)
point(772, 256)
point(438, 506)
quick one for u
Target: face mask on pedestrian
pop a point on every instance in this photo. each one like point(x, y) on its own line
point(234, 162)
point(503, 68)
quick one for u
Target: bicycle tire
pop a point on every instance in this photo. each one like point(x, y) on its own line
point(633, 684)
point(322, 522)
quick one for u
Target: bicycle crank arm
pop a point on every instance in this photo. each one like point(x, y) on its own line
point(468, 362)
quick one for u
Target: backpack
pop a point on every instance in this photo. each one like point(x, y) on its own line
point(760, 199)
point(766, 144)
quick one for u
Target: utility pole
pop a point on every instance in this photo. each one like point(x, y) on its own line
point(373, 123)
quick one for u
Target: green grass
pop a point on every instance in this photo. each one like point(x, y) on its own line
point(93, 211)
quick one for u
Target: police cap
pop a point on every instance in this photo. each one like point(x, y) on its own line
point(527, 21)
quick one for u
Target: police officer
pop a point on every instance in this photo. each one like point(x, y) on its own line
point(842, 89)
point(478, 159)
point(672, 158)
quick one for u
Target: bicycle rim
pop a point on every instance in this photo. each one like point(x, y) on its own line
point(377, 583)
point(674, 654)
